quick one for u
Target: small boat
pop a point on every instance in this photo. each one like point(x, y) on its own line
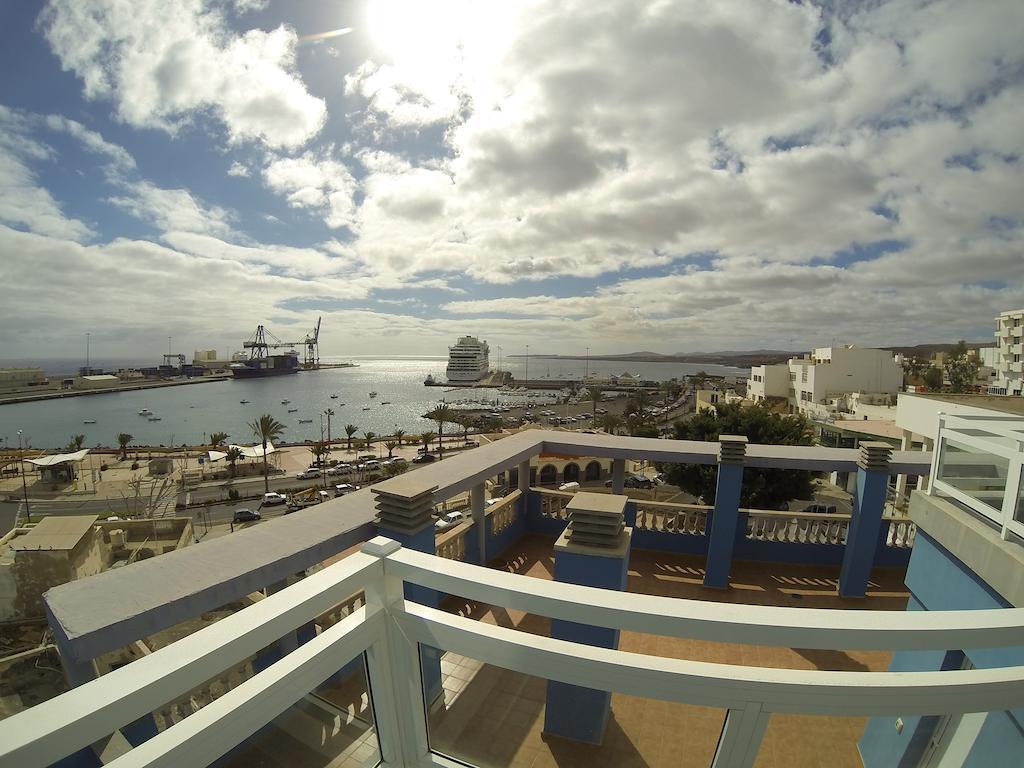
point(340, 404)
point(89, 421)
point(305, 421)
point(243, 402)
point(293, 410)
point(285, 402)
point(366, 408)
point(154, 418)
point(373, 394)
point(334, 397)
point(145, 412)
point(385, 402)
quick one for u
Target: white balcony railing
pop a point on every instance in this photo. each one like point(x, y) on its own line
point(388, 629)
point(979, 462)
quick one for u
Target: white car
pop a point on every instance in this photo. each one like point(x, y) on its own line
point(450, 520)
point(308, 474)
point(339, 469)
point(343, 488)
point(270, 499)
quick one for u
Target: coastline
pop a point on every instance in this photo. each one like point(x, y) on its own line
point(60, 394)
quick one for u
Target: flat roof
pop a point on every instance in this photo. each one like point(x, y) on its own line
point(55, 533)
point(874, 427)
point(1012, 404)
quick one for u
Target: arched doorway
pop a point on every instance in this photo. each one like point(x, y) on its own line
point(548, 474)
point(593, 471)
point(571, 473)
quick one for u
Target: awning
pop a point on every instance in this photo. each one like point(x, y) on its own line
point(216, 455)
point(254, 451)
point(58, 458)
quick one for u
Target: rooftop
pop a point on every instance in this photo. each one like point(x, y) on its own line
point(55, 533)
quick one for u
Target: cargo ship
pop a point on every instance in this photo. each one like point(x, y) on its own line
point(261, 363)
point(272, 365)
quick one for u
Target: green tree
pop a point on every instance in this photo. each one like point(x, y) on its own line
point(320, 450)
point(699, 379)
point(122, 440)
point(914, 368)
point(233, 455)
point(266, 429)
point(427, 438)
point(442, 414)
point(75, 443)
point(390, 445)
point(961, 368)
point(611, 423)
point(933, 378)
point(350, 430)
point(399, 434)
point(217, 438)
point(762, 488)
point(368, 438)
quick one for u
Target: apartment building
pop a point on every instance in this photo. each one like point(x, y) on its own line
point(816, 383)
point(1009, 359)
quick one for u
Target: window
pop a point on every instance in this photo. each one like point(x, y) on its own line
point(803, 375)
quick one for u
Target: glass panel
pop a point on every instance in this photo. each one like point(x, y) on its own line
point(1018, 510)
point(973, 471)
point(811, 740)
point(491, 717)
point(330, 727)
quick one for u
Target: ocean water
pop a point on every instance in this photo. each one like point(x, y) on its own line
point(190, 413)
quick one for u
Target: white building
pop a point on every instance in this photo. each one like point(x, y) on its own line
point(819, 383)
point(1007, 362)
point(468, 360)
point(17, 378)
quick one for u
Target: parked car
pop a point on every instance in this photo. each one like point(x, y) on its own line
point(399, 460)
point(343, 488)
point(366, 466)
point(424, 458)
point(633, 481)
point(450, 520)
point(271, 499)
point(308, 474)
point(819, 509)
point(569, 487)
point(339, 469)
point(245, 516)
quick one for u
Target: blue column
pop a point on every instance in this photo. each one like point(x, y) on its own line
point(732, 450)
point(618, 476)
point(408, 520)
point(869, 502)
point(478, 507)
point(572, 711)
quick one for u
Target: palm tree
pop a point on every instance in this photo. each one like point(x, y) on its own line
point(369, 437)
point(267, 429)
point(122, 440)
point(350, 429)
point(217, 438)
point(75, 444)
point(399, 434)
point(233, 455)
point(611, 423)
point(594, 393)
point(319, 449)
point(328, 413)
point(427, 438)
point(443, 414)
point(390, 445)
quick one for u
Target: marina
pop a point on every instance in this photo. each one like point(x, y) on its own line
point(190, 414)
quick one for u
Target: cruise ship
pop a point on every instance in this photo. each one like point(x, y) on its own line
point(468, 359)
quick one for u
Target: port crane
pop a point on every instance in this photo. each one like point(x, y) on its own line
point(258, 345)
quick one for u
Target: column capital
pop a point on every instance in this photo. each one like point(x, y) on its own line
point(874, 456)
point(407, 514)
point(732, 449)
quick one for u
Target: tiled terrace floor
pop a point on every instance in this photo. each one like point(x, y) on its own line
point(494, 717)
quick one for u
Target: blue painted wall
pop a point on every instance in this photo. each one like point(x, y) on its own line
point(939, 581)
point(498, 543)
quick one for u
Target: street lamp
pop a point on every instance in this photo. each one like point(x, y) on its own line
point(586, 371)
point(24, 486)
point(527, 366)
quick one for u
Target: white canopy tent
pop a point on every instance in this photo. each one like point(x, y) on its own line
point(58, 458)
point(247, 451)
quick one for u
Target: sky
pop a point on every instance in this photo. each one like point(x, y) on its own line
point(667, 176)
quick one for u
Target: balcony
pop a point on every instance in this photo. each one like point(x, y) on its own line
point(399, 656)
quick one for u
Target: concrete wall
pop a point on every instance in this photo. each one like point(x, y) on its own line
point(920, 413)
point(939, 581)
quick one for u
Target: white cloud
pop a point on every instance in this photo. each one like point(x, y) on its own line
point(24, 202)
point(164, 64)
point(317, 183)
point(237, 169)
point(172, 209)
